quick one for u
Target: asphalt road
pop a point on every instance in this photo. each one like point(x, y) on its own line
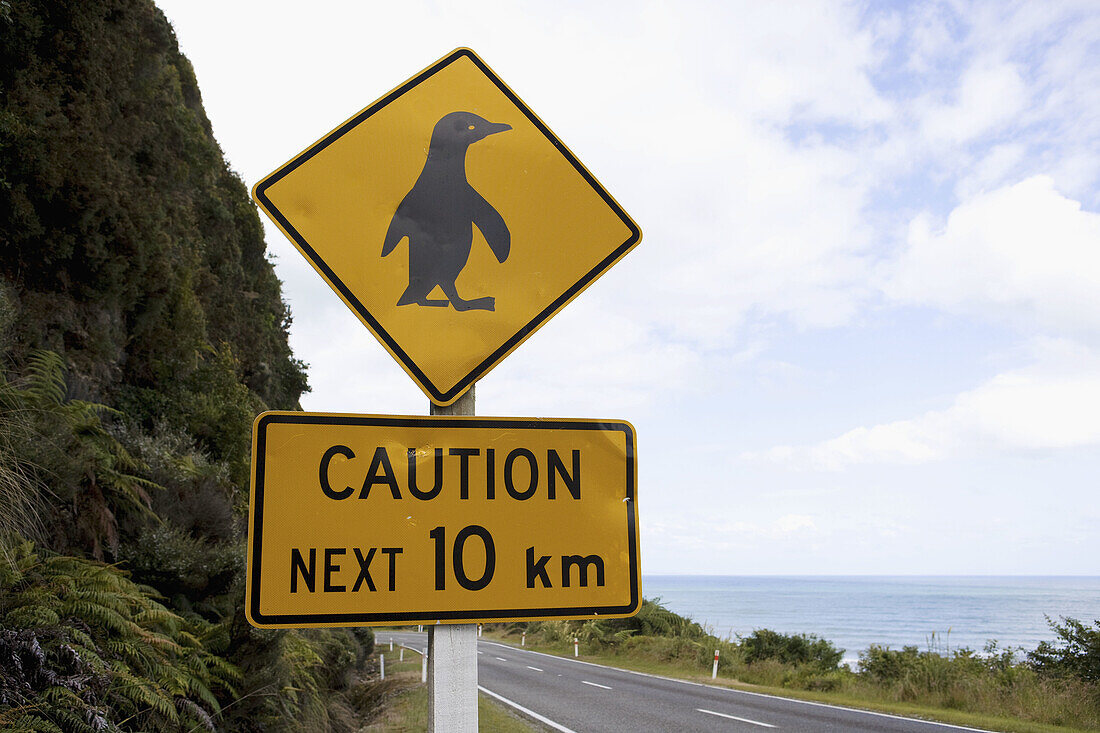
point(571, 695)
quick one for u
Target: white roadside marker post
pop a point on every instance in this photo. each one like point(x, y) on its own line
point(391, 643)
point(401, 654)
point(382, 665)
point(523, 639)
point(424, 667)
point(714, 672)
point(576, 647)
point(452, 649)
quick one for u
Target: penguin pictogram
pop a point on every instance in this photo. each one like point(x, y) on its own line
point(439, 212)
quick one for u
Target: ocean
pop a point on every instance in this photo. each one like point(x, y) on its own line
point(853, 612)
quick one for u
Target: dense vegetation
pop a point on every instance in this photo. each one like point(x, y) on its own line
point(142, 328)
point(1058, 683)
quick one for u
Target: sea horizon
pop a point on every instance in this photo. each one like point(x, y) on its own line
point(932, 612)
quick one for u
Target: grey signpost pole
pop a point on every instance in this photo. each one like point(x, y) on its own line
point(452, 649)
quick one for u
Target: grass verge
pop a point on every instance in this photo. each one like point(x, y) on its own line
point(402, 701)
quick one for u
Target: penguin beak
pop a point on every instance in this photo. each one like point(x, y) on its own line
point(495, 127)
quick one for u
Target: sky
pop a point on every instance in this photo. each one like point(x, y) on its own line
point(861, 334)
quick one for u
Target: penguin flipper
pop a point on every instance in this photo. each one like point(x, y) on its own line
point(492, 227)
point(398, 230)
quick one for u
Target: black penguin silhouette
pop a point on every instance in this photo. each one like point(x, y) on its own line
point(439, 213)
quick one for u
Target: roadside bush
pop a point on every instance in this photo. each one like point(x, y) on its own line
point(550, 632)
point(886, 665)
point(824, 681)
point(667, 649)
point(653, 619)
point(1075, 653)
point(342, 652)
point(797, 649)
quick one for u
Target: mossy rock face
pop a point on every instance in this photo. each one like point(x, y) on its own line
point(142, 328)
point(131, 247)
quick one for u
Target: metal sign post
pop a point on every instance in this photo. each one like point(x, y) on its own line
point(452, 648)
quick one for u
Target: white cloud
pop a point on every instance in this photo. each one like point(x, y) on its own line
point(1054, 403)
point(718, 533)
point(967, 77)
point(930, 38)
point(725, 243)
point(783, 60)
point(589, 357)
point(988, 96)
point(1023, 253)
point(991, 170)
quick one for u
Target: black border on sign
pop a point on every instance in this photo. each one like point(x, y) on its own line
point(437, 395)
point(436, 422)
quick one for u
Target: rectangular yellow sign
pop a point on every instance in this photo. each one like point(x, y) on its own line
point(359, 520)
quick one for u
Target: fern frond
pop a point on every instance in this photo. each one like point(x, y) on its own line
point(28, 723)
point(45, 378)
point(143, 693)
point(72, 721)
point(193, 712)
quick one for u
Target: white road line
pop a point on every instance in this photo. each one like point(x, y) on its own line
point(502, 659)
point(734, 717)
point(534, 668)
point(594, 684)
point(935, 723)
point(529, 713)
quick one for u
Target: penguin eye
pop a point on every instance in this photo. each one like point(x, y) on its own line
point(470, 127)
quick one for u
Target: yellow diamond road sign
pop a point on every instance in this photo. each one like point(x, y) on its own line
point(450, 219)
point(358, 520)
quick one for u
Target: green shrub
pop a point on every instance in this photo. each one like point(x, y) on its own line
point(823, 681)
point(1075, 653)
point(195, 574)
point(550, 632)
point(653, 619)
point(887, 665)
point(797, 649)
point(675, 649)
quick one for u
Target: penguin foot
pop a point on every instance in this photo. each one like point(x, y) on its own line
point(407, 299)
point(488, 303)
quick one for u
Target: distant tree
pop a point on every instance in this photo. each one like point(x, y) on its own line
point(1075, 653)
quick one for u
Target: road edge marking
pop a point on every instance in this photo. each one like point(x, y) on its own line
point(734, 717)
point(743, 692)
point(595, 684)
point(530, 713)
